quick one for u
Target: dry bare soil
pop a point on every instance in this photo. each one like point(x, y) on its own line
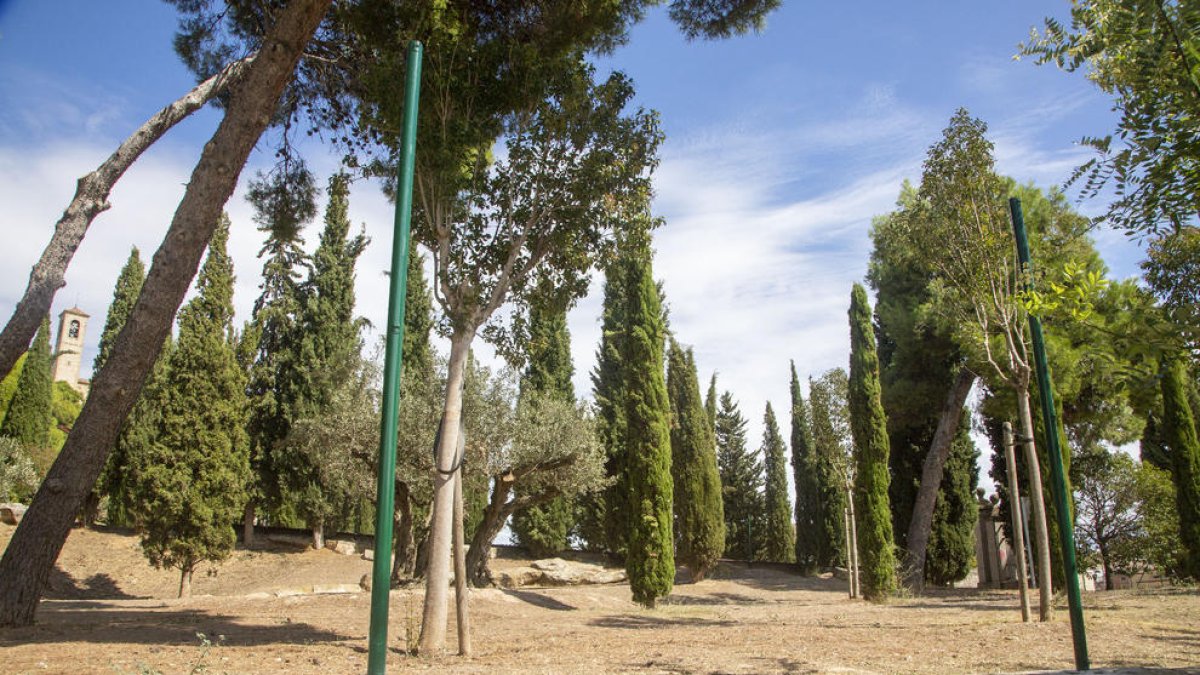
point(270, 611)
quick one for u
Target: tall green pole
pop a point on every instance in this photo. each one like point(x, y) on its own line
point(393, 360)
point(1066, 529)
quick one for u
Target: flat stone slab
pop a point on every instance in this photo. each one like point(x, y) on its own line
point(11, 513)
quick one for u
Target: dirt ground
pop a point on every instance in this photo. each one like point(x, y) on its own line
point(274, 611)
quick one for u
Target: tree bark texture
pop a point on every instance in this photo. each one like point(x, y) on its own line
point(1045, 585)
point(185, 581)
point(921, 525)
point(1018, 527)
point(90, 200)
point(37, 542)
point(460, 565)
point(852, 557)
point(437, 578)
point(248, 525)
point(494, 515)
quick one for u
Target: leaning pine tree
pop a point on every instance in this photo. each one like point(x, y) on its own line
point(192, 485)
point(699, 513)
point(779, 539)
point(804, 473)
point(868, 425)
point(650, 554)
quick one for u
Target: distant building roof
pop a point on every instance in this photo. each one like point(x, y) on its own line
point(76, 310)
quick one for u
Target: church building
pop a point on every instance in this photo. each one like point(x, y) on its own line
point(68, 349)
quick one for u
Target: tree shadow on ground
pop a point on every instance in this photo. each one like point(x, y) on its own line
point(714, 599)
point(104, 622)
point(62, 586)
point(635, 621)
point(538, 600)
point(1184, 635)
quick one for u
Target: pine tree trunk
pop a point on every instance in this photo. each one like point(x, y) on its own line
point(185, 581)
point(1018, 526)
point(437, 580)
point(1045, 585)
point(248, 525)
point(36, 544)
point(921, 526)
point(318, 535)
point(90, 200)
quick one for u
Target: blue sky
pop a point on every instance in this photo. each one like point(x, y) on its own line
point(780, 148)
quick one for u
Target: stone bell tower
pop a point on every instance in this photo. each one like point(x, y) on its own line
point(68, 349)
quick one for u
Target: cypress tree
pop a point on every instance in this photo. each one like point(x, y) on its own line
point(125, 294)
point(952, 537)
point(868, 424)
point(699, 514)
point(543, 529)
point(779, 539)
point(271, 385)
point(192, 486)
point(804, 474)
point(605, 515)
point(327, 351)
point(710, 402)
point(29, 413)
point(650, 555)
point(1179, 432)
point(827, 396)
point(741, 483)
point(8, 385)
point(135, 444)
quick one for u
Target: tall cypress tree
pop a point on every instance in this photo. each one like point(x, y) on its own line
point(29, 413)
point(135, 445)
point(544, 529)
point(1179, 432)
point(193, 485)
point(779, 539)
point(952, 535)
point(830, 431)
point(283, 204)
point(868, 424)
point(804, 474)
point(604, 517)
point(125, 294)
point(710, 402)
point(741, 483)
point(650, 554)
point(327, 352)
point(699, 514)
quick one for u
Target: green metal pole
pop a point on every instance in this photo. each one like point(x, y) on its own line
point(393, 361)
point(1066, 528)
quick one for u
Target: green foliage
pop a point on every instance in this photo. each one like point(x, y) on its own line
point(191, 483)
point(18, 476)
point(721, 19)
point(543, 529)
point(135, 448)
point(868, 425)
point(30, 413)
point(1146, 54)
point(918, 360)
point(1161, 547)
point(699, 513)
point(125, 294)
point(1109, 530)
point(1179, 431)
point(741, 483)
point(951, 554)
point(604, 521)
point(710, 402)
point(779, 537)
point(831, 457)
point(1172, 270)
point(8, 385)
point(804, 472)
point(650, 555)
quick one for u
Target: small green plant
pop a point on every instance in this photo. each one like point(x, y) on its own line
point(206, 646)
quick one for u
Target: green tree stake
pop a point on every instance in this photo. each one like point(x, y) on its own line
point(393, 359)
point(1065, 527)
